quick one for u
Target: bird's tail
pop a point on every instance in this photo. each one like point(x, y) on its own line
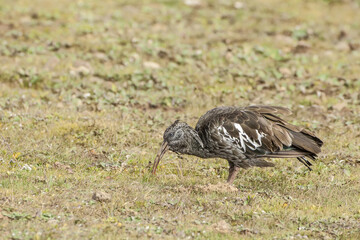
point(304, 145)
point(305, 140)
point(299, 143)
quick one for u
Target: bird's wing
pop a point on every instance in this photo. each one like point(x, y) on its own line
point(301, 138)
point(252, 133)
point(256, 130)
point(269, 109)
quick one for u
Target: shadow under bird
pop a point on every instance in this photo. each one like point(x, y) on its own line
point(244, 136)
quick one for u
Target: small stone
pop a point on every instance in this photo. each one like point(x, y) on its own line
point(152, 65)
point(101, 196)
point(87, 95)
point(27, 167)
point(192, 3)
point(239, 5)
point(81, 68)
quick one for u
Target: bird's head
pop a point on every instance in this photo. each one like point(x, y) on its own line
point(175, 136)
point(179, 138)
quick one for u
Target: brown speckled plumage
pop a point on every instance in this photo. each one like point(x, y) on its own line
point(242, 136)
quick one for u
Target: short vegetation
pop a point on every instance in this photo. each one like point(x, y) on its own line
point(87, 88)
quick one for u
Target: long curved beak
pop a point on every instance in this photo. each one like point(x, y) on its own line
point(164, 147)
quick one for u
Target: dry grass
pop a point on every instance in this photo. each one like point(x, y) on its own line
point(88, 87)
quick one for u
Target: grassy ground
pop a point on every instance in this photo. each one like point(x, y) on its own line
point(88, 87)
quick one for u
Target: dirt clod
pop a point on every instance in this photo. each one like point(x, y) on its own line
point(101, 196)
point(222, 226)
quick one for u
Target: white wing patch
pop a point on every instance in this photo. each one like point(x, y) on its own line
point(243, 140)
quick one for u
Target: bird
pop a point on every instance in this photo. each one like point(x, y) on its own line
point(244, 136)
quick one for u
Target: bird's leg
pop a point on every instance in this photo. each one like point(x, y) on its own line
point(233, 171)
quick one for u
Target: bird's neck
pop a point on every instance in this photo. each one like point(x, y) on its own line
point(196, 146)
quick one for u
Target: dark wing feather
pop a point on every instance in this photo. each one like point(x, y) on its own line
point(244, 128)
point(258, 132)
point(269, 109)
point(300, 138)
